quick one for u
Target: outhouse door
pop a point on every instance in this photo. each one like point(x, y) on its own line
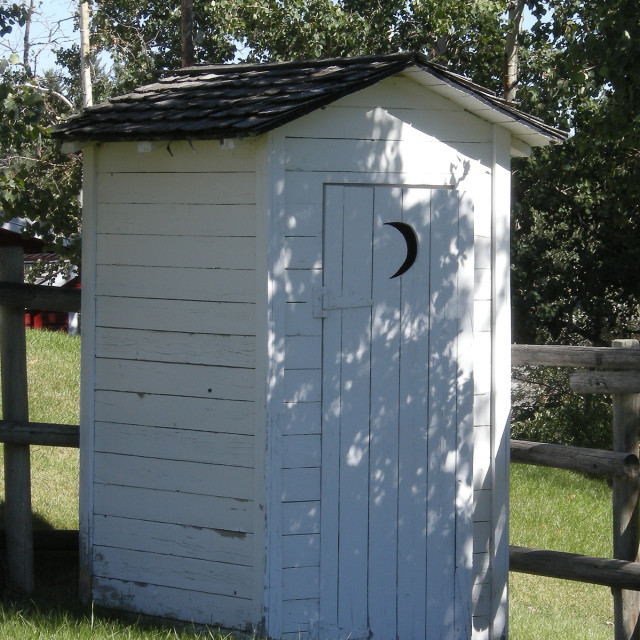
point(397, 404)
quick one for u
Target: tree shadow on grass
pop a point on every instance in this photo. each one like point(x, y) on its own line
point(56, 567)
point(55, 602)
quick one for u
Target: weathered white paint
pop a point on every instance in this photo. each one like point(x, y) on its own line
point(303, 193)
point(390, 429)
point(501, 391)
point(175, 375)
point(87, 399)
point(209, 446)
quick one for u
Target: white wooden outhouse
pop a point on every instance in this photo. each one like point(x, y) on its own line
point(280, 432)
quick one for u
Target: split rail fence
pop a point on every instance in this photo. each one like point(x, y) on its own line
point(16, 431)
point(614, 370)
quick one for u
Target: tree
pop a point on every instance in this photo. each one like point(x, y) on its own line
point(576, 221)
point(37, 182)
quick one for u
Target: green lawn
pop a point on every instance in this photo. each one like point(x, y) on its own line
point(563, 511)
point(550, 509)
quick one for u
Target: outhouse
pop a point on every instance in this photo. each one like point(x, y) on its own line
point(296, 348)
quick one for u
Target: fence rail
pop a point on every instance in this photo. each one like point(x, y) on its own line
point(581, 459)
point(618, 574)
point(42, 433)
point(618, 373)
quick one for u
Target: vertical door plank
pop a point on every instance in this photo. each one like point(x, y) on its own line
point(464, 417)
point(413, 447)
point(389, 251)
point(331, 409)
point(354, 422)
point(441, 524)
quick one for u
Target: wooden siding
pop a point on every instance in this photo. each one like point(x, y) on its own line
point(174, 393)
point(417, 139)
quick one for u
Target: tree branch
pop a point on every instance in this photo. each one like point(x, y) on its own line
point(51, 92)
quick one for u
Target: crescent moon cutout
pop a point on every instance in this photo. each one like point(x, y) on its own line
point(411, 238)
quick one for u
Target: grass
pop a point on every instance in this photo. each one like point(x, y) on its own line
point(550, 509)
point(563, 511)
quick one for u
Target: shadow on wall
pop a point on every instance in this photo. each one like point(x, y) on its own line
point(396, 389)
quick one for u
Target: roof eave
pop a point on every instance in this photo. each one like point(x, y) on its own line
point(523, 127)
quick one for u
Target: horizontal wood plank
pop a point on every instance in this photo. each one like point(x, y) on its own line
point(195, 381)
point(299, 320)
point(300, 284)
point(296, 616)
point(172, 571)
point(299, 485)
point(190, 316)
point(189, 157)
point(303, 220)
point(302, 385)
point(605, 382)
point(301, 418)
point(40, 433)
point(304, 352)
point(579, 459)
point(301, 551)
point(303, 252)
point(177, 219)
point(178, 188)
point(568, 356)
point(168, 602)
point(201, 414)
point(306, 188)
point(165, 283)
point(383, 156)
point(196, 478)
point(176, 347)
point(184, 251)
point(300, 583)
point(170, 443)
point(300, 451)
point(172, 507)
point(212, 545)
point(300, 518)
point(572, 566)
point(32, 296)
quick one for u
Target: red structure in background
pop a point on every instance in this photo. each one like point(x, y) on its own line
point(33, 252)
point(53, 320)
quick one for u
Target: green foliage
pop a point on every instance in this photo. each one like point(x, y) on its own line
point(576, 219)
point(37, 182)
point(11, 14)
point(544, 409)
point(144, 38)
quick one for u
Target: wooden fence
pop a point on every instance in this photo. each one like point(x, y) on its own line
point(16, 431)
point(614, 370)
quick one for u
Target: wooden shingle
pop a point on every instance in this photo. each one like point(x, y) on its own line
point(240, 100)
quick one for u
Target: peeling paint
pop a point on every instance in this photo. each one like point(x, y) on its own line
point(231, 534)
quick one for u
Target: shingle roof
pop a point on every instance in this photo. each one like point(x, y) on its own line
point(240, 100)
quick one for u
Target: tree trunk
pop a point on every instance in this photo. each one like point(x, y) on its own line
point(510, 78)
point(26, 51)
point(85, 56)
point(188, 56)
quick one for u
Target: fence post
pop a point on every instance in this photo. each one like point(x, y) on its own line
point(626, 525)
point(17, 464)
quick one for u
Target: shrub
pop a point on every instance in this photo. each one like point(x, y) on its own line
point(544, 409)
